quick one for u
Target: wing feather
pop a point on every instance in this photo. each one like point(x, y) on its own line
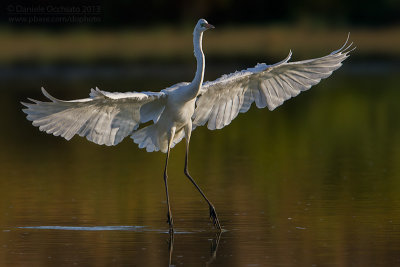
point(228, 112)
point(211, 122)
point(220, 101)
point(220, 116)
point(104, 118)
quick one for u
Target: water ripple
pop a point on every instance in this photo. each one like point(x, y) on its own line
point(135, 228)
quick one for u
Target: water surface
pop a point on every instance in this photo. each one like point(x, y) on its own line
point(314, 183)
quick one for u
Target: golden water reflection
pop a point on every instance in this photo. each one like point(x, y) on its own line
point(315, 182)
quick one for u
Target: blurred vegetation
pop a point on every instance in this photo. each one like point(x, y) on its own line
point(254, 44)
point(125, 31)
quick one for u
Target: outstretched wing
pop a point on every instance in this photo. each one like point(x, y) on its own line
point(220, 101)
point(104, 118)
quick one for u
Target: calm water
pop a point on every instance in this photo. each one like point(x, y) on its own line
point(314, 183)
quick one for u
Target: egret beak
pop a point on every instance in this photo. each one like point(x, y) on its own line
point(209, 26)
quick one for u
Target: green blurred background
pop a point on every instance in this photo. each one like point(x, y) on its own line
point(130, 32)
point(315, 182)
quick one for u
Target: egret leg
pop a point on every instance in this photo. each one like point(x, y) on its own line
point(169, 214)
point(213, 213)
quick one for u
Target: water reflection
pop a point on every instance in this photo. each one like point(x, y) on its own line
point(170, 247)
point(87, 228)
point(214, 238)
point(213, 252)
point(214, 247)
point(316, 182)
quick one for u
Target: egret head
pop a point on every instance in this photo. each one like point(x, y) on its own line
point(203, 25)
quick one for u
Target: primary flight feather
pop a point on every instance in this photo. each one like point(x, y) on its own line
point(107, 118)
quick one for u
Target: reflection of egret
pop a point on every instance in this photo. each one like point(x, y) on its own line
point(214, 247)
point(107, 118)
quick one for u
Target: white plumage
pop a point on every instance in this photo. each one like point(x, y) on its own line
point(104, 118)
point(220, 101)
point(107, 118)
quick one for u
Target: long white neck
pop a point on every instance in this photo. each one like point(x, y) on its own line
point(198, 53)
point(193, 89)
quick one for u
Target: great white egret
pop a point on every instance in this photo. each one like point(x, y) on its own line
point(107, 118)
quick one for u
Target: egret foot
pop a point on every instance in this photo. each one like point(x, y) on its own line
point(214, 218)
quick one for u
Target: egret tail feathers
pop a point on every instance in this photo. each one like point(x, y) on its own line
point(147, 138)
point(151, 138)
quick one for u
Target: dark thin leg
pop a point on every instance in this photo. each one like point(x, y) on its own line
point(213, 213)
point(169, 214)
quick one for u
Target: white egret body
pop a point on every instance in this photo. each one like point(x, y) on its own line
point(107, 118)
